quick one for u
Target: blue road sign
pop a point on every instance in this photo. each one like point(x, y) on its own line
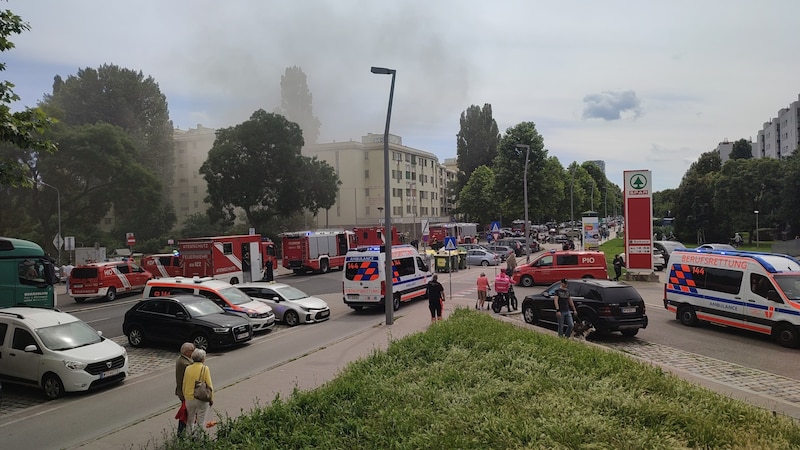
point(449, 243)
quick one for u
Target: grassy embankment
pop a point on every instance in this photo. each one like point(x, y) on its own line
point(475, 382)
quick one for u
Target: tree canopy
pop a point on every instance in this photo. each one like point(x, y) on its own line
point(21, 129)
point(296, 103)
point(742, 149)
point(257, 166)
point(476, 141)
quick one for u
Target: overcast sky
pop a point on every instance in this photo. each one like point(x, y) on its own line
point(639, 84)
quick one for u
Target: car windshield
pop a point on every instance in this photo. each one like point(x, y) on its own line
point(69, 335)
point(790, 285)
point(291, 293)
point(235, 296)
point(202, 308)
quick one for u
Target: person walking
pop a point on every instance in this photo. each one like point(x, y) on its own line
point(501, 285)
point(184, 361)
point(565, 307)
point(197, 410)
point(483, 289)
point(618, 263)
point(511, 264)
point(435, 293)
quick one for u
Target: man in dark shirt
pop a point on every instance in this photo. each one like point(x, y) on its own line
point(435, 298)
point(564, 309)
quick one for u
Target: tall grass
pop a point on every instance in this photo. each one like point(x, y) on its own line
point(475, 382)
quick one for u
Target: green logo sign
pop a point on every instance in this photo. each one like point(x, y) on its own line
point(638, 181)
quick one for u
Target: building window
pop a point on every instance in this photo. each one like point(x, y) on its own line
point(408, 157)
point(366, 192)
point(108, 221)
point(408, 209)
point(338, 211)
point(366, 210)
point(366, 173)
point(397, 210)
point(196, 204)
point(414, 159)
point(408, 175)
point(194, 189)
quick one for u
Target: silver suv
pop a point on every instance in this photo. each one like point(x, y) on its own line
point(57, 352)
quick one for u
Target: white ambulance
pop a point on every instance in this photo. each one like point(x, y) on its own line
point(753, 291)
point(364, 282)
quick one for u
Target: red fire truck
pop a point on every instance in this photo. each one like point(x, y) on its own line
point(229, 258)
point(463, 232)
point(374, 236)
point(318, 251)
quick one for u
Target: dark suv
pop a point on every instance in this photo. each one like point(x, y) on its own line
point(606, 305)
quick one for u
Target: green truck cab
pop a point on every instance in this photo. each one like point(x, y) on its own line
point(27, 274)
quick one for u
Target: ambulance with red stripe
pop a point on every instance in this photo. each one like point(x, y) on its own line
point(364, 283)
point(752, 291)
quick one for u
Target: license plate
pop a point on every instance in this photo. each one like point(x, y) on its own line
point(241, 336)
point(77, 285)
point(109, 373)
point(629, 310)
point(352, 296)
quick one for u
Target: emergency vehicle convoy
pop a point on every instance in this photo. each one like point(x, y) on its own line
point(753, 291)
point(162, 265)
point(364, 283)
point(317, 251)
point(230, 258)
point(464, 233)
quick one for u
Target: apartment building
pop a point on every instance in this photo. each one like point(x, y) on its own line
point(191, 151)
point(779, 137)
point(417, 187)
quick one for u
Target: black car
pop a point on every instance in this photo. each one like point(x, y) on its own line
point(184, 318)
point(606, 305)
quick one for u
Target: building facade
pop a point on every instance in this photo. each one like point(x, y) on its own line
point(190, 189)
point(417, 186)
point(780, 137)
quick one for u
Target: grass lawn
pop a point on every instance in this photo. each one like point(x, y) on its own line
point(474, 382)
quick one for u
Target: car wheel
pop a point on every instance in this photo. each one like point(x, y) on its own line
point(485, 263)
point(291, 318)
point(396, 302)
point(587, 277)
point(80, 299)
point(234, 280)
point(687, 315)
point(53, 387)
point(530, 314)
point(323, 266)
point(589, 320)
point(136, 336)
point(357, 308)
point(298, 271)
point(111, 295)
point(786, 335)
point(630, 332)
point(526, 281)
point(200, 340)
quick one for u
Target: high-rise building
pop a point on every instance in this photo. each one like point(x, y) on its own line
point(189, 189)
point(780, 137)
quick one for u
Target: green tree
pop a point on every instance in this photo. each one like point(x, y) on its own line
point(257, 166)
point(664, 203)
point(694, 207)
point(20, 129)
point(545, 188)
point(742, 149)
point(790, 207)
point(476, 141)
point(747, 185)
point(199, 224)
point(296, 103)
point(478, 200)
point(124, 98)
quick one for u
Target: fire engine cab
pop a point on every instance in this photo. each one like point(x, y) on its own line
point(230, 258)
point(374, 236)
point(317, 251)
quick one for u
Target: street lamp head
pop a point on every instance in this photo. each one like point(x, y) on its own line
point(382, 70)
point(523, 146)
point(756, 211)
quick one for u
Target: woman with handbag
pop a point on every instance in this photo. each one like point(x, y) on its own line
point(198, 392)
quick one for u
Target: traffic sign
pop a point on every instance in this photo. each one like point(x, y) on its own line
point(496, 230)
point(58, 241)
point(69, 243)
point(450, 243)
point(131, 239)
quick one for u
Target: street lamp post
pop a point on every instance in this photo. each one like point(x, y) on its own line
point(59, 238)
point(757, 244)
point(525, 190)
point(571, 202)
point(388, 298)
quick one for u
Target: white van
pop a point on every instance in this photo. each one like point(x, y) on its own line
point(365, 276)
point(753, 291)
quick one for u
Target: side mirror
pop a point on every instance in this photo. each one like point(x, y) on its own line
point(31, 348)
point(276, 298)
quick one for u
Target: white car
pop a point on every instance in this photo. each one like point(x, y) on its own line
point(290, 305)
point(57, 352)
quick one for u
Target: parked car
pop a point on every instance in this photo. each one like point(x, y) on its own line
point(659, 261)
point(717, 247)
point(57, 352)
point(184, 318)
point(514, 244)
point(667, 247)
point(225, 295)
point(532, 243)
point(605, 305)
point(471, 247)
point(106, 280)
point(290, 305)
point(477, 257)
point(501, 250)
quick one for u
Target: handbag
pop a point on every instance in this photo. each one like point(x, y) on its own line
point(202, 391)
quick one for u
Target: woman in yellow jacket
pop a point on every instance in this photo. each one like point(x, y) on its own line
point(196, 409)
